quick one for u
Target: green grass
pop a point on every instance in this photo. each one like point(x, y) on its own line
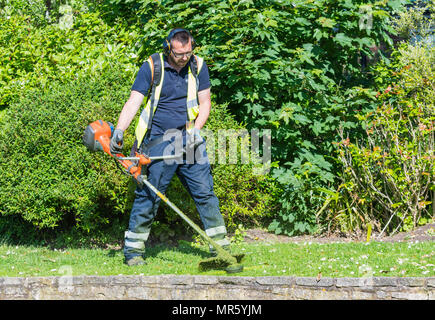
point(281, 259)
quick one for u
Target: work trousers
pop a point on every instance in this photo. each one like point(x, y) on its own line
point(196, 178)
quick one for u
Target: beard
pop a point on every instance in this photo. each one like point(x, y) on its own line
point(178, 63)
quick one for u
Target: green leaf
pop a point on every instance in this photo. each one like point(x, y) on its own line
point(343, 40)
point(326, 22)
point(396, 5)
point(317, 127)
point(319, 34)
point(301, 119)
point(303, 21)
point(215, 82)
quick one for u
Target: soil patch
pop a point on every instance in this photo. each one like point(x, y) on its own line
point(420, 234)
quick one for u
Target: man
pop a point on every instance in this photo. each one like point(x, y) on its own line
point(179, 99)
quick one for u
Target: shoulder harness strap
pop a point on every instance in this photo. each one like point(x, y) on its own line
point(156, 77)
point(195, 66)
point(156, 69)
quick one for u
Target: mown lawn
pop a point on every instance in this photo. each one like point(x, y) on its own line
point(262, 259)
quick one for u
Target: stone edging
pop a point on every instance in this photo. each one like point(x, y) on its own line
point(175, 287)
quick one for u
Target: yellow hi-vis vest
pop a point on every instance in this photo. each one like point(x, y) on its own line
point(145, 118)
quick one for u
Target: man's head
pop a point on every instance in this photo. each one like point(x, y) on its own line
point(178, 47)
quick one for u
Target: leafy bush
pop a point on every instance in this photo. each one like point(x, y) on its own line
point(41, 13)
point(47, 175)
point(416, 22)
point(388, 176)
point(245, 197)
point(292, 67)
point(35, 55)
point(34, 10)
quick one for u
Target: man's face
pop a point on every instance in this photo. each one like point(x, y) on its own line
point(180, 54)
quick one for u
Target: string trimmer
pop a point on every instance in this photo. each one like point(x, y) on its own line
point(97, 137)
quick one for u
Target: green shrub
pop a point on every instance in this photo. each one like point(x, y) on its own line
point(413, 24)
point(48, 177)
point(292, 67)
point(35, 55)
point(246, 198)
point(34, 10)
point(388, 175)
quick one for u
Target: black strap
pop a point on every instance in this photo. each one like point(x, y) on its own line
point(194, 66)
point(157, 77)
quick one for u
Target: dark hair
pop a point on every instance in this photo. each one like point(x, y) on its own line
point(182, 36)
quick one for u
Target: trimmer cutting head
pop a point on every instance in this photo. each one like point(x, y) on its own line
point(223, 263)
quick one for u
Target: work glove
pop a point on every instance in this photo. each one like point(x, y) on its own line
point(117, 141)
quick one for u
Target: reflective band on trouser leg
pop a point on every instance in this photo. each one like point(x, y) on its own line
point(217, 231)
point(218, 235)
point(135, 244)
point(139, 236)
point(135, 240)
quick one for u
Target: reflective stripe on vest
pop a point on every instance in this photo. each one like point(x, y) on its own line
point(144, 118)
point(191, 103)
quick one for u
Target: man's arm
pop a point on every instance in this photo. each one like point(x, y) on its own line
point(204, 108)
point(129, 110)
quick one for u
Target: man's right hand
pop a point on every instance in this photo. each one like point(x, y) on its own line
point(117, 141)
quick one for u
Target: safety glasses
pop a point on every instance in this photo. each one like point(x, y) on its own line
point(180, 55)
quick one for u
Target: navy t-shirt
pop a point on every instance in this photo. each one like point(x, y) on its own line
point(171, 110)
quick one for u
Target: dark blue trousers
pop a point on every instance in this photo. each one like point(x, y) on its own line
point(196, 178)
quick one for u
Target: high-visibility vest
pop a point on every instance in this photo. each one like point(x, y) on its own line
point(157, 71)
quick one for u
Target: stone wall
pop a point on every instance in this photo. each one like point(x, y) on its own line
point(173, 287)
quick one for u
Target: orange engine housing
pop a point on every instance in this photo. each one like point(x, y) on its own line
point(97, 137)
